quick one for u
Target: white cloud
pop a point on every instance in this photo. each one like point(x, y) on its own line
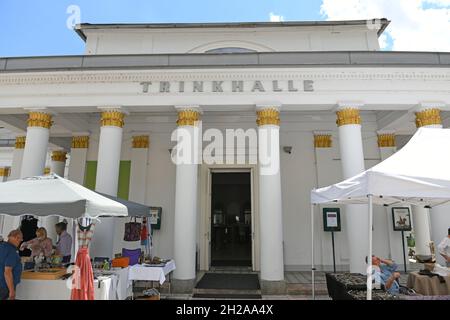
point(417, 25)
point(275, 18)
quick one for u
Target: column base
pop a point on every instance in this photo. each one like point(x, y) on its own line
point(182, 286)
point(273, 287)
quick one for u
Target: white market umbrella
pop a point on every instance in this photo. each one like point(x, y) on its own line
point(52, 195)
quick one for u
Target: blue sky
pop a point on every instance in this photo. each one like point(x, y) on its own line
point(38, 27)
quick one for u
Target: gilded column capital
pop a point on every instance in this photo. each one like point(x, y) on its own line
point(112, 118)
point(428, 117)
point(386, 140)
point(5, 171)
point(348, 116)
point(141, 142)
point(59, 156)
point(323, 140)
point(20, 142)
point(268, 116)
point(80, 142)
point(39, 119)
point(188, 117)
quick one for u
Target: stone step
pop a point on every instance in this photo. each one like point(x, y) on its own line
point(306, 289)
point(198, 291)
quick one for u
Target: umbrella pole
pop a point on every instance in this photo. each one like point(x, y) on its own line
point(312, 253)
point(369, 257)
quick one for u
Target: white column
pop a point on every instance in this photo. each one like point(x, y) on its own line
point(386, 143)
point(8, 223)
point(270, 209)
point(138, 171)
point(4, 173)
point(78, 157)
point(58, 164)
point(185, 224)
point(352, 161)
point(17, 158)
point(107, 179)
point(35, 153)
point(429, 116)
point(138, 188)
point(325, 165)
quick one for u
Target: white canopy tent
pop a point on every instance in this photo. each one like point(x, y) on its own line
point(418, 174)
point(52, 195)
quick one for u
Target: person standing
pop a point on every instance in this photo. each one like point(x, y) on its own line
point(10, 265)
point(39, 245)
point(444, 248)
point(64, 243)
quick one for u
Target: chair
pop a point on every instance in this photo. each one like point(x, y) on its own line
point(132, 254)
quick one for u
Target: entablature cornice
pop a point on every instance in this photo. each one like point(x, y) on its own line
point(36, 78)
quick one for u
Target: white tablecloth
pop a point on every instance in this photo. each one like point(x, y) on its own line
point(29, 289)
point(120, 283)
point(145, 272)
point(114, 286)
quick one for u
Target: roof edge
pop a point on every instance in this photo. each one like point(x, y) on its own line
point(79, 28)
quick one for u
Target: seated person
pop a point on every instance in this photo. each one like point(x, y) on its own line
point(385, 273)
point(40, 244)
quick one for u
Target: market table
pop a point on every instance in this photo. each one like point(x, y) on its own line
point(148, 272)
point(29, 289)
point(113, 285)
point(428, 286)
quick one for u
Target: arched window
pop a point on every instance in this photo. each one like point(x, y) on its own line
point(230, 50)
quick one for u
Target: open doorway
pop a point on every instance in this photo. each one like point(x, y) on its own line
point(231, 214)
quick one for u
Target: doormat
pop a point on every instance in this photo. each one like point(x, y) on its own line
point(228, 285)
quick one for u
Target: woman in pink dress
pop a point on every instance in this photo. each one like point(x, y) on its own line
point(40, 244)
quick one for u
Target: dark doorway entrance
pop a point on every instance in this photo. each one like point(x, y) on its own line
point(231, 224)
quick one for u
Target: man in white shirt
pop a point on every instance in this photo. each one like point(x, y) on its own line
point(444, 248)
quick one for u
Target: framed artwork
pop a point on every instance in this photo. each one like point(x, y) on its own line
point(155, 217)
point(401, 219)
point(331, 219)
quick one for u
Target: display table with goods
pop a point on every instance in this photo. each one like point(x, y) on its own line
point(353, 286)
point(55, 284)
point(429, 283)
point(346, 286)
point(59, 289)
point(121, 285)
point(157, 270)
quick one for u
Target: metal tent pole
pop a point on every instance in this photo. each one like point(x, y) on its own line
point(312, 253)
point(369, 257)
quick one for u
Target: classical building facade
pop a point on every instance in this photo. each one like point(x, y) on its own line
point(332, 103)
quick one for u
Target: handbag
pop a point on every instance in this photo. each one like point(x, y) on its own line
point(132, 231)
point(132, 254)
